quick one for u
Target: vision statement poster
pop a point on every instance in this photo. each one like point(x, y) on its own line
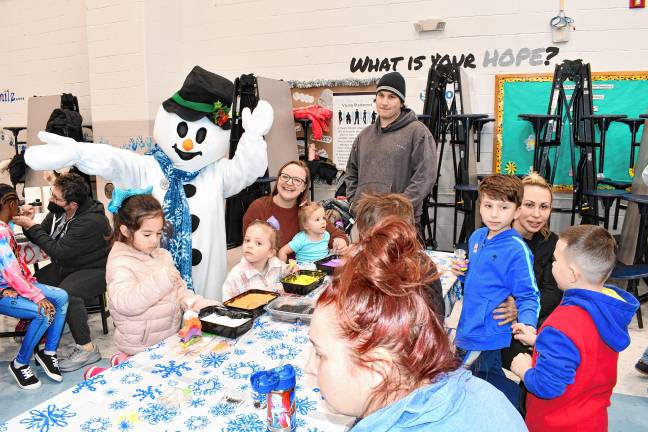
point(352, 112)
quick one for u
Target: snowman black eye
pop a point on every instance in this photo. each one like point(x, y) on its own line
point(182, 129)
point(200, 135)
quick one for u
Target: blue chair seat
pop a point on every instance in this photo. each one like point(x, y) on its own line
point(606, 193)
point(466, 187)
point(636, 198)
point(628, 272)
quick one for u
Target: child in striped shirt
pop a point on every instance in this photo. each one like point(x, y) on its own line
point(259, 267)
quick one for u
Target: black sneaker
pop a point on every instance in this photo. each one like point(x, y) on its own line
point(642, 366)
point(50, 365)
point(24, 376)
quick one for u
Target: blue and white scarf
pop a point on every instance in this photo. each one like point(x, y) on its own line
point(176, 211)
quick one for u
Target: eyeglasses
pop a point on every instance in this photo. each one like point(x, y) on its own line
point(295, 180)
point(56, 199)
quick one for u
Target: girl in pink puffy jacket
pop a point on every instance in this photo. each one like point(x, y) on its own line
point(146, 294)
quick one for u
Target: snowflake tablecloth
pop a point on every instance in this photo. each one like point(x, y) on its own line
point(209, 375)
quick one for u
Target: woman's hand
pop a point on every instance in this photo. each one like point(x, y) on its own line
point(24, 221)
point(506, 312)
point(524, 333)
point(46, 307)
point(9, 293)
point(340, 247)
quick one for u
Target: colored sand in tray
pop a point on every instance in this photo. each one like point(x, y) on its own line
point(251, 301)
point(299, 309)
point(302, 279)
point(335, 262)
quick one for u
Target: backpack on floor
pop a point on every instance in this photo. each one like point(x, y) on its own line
point(66, 120)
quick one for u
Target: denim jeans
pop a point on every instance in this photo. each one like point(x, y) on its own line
point(23, 308)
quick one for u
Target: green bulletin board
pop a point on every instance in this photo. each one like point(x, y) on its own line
point(614, 93)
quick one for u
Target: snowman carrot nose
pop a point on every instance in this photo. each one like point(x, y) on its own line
point(187, 144)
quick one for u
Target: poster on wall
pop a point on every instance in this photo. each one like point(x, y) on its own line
point(352, 112)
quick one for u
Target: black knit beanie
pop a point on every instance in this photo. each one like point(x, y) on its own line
point(393, 82)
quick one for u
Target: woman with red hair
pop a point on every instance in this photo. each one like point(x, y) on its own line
point(374, 331)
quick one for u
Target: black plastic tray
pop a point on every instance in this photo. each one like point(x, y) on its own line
point(292, 288)
point(291, 309)
point(221, 330)
point(255, 312)
point(328, 269)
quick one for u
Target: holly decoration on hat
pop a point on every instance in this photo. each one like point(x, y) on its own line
point(221, 113)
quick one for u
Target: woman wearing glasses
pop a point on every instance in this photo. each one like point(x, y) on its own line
point(281, 208)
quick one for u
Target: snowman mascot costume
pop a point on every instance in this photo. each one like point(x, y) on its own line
point(188, 170)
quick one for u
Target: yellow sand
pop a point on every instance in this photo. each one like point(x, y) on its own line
point(251, 301)
point(302, 279)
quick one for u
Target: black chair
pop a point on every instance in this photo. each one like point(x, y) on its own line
point(100, 306)
point(539, 123)
point(465, 193)
point(639, 268)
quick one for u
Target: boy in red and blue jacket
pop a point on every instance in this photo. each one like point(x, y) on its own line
point(574, 365)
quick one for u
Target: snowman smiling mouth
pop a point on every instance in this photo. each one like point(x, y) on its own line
point(185, 155)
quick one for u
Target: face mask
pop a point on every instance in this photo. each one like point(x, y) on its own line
point(55, 208)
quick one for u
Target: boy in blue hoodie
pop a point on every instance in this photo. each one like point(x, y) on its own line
point(574, 364)
point(501, 265)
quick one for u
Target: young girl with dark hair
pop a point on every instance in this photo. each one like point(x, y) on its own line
point(375, 332)
point(21, 296)
point(146, 294)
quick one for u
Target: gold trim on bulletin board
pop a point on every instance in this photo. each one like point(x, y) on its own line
point(501, 79)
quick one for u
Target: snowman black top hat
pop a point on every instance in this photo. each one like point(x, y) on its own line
point(203, 94)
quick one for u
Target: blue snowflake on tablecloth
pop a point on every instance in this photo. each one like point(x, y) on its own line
point(118, 404)
point(171, 368)
point(90, 384)
point(205, 387)
point(96, 424)
point(212, 359)
point(148, 392)
point(314, 430)
point(131, 378)
point(299, 423)
point(241, 370)
point(52, 416)
point(258, 324)
point(110, 392)
point(304, 405)
point(239, 352)
point(197, 422)
point(222, 409)
point(249, 342)
point(125, 425)
point(197, 402)
point(282, 351)
point(123, 365)
point(155, 356)
point(244, 386)
point(270, 334)
point(156, 346)
point(206, 372)
point(301, 339)
point(156, 413)
point(299, 372)
point(245, 423)
point(3, 427)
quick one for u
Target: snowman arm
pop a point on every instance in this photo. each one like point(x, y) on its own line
point(122, 167)
point(248, 164)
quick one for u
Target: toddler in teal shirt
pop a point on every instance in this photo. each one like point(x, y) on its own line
point(311, 243)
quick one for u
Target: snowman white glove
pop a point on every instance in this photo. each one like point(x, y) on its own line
point(58, 152)
point(258, 122)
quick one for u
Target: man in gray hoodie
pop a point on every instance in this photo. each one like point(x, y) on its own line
point(396, 154)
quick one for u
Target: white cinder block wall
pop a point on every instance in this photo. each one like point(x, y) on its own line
point(124, 57)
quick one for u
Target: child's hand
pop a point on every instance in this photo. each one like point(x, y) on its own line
point(524, 333)
point(520, 364)
point(9, 293)
point(292, 267)
point(506, 312)
point(458, 267)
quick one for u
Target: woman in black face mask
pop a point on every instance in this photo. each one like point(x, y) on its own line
point(74, 235)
